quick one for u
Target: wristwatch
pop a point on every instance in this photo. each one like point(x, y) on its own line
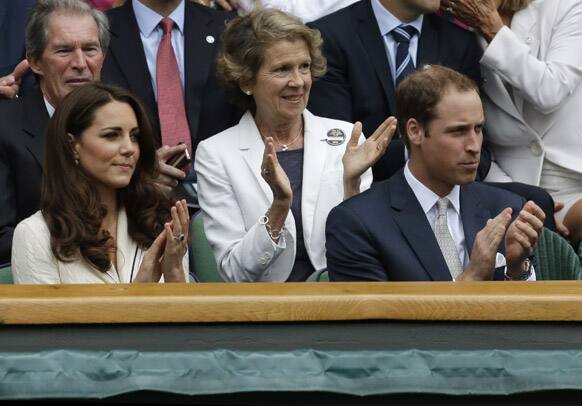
point(523, 276)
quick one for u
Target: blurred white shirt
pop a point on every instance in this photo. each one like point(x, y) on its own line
point(306, 10)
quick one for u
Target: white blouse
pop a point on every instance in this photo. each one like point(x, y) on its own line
point(33, 261)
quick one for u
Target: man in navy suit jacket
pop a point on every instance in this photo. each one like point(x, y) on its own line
point(66, 45)
point(360, 85)
point(386, 233)
point(127, 65)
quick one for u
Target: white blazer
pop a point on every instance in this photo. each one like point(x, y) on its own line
point(33, 261)
point(233, 196)
point(541, 57)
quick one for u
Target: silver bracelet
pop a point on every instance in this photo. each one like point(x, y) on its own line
point(274, 234)
point(523, 276)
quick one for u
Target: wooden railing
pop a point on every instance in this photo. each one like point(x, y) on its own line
point(262, 302)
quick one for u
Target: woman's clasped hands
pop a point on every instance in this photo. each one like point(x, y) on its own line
point(165, 255)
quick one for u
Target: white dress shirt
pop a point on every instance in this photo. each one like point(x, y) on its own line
point(387, 22)
point(428, 201)
point(306, 10)
point(49, 107)
point(151, 34)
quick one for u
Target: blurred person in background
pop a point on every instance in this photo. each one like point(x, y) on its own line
point(164, 51)
point(532, 63)
point(66, 41)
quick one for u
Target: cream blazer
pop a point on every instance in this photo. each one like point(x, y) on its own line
point(33, 261)
point(541, 57)
point(233, 196)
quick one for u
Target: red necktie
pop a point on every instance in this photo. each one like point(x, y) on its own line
point(173, 122)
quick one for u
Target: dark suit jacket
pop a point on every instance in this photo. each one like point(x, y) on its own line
point(383, 234)
point(125, 65)
point(22, 125)
point(359, 86)
point(13, 15)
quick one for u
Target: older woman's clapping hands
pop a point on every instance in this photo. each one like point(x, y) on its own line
point(359, 157)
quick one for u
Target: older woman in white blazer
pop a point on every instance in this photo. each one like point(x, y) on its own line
point(532, 69)
point(267, 184)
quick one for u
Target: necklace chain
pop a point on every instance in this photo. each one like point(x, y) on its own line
point(285, 147)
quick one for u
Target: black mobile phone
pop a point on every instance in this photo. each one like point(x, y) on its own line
point(180, 160)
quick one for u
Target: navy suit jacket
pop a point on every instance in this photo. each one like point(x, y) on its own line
point(359, 85)
point(22, 125)
point(125, 65)
point(383, 234)
point(13, 16)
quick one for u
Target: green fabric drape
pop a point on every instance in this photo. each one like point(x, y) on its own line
point(66, 374)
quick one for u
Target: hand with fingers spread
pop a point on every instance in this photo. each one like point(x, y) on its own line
point(10, 84)
point(176, 243)
point(358, 158)
point(274, 174)
point(521, 238)
point(484, 252)
point(165, 255)
point(169, 176)
point(277, 179)
point(480, 14)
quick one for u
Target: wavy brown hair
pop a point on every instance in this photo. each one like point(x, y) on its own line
point(245, 41)
point(70, 203)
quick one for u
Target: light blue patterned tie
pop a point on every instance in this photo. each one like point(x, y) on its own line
point(404, 65)
point(445, 239)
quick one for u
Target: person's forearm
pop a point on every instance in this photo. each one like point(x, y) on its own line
point(275, 217)
point(351, 187)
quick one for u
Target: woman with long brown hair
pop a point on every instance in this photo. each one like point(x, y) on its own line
point(102, 219)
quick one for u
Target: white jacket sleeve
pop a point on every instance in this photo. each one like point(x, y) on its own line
point(544, 81)
point(32, 259)
point(242, 255)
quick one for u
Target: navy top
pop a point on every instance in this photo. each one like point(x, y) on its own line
point(292, 164)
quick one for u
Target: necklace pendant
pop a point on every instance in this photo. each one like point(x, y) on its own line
point(284, 147)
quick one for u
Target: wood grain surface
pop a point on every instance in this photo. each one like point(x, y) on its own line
point(268, 302)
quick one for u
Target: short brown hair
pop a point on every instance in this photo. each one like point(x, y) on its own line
point(70, 203)
point(247, 38)
point(418, 94)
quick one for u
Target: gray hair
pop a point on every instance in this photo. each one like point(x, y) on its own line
point(37, 25)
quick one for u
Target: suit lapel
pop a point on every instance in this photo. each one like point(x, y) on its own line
point(414, 226)
point(429, 48)
point(473, 215)
point(371, 38)
point(314, 158)
point(127, 49)
point(498, 94)
point(35, 123)
point(524, 25)
point(252, 148)
point(199, 44)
